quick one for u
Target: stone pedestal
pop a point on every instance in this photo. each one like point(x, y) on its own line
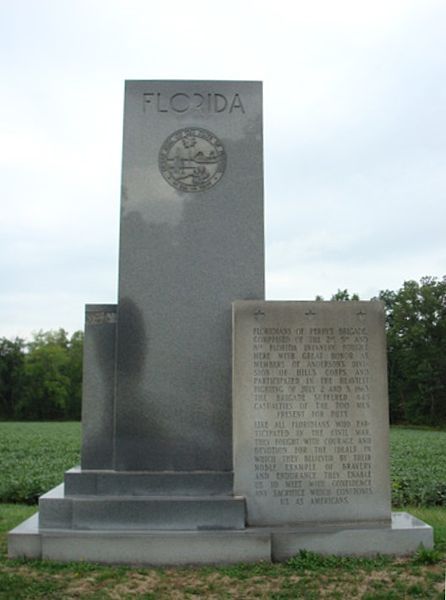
point(401, 537)
point(310, 457)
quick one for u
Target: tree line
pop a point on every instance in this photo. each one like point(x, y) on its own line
point(41, 379)
point(416, 350)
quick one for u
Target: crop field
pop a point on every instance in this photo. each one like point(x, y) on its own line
point(34, 456)
point(418, 467)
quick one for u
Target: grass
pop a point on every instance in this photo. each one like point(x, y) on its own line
point(34, 457)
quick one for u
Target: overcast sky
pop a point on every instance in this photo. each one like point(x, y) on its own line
point(354, 129)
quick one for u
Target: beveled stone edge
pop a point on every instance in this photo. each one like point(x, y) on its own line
point(27, 541)
point(148, 483)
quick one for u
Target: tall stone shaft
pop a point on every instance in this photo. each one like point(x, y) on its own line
point(191, 243)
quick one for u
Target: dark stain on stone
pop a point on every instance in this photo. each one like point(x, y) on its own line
point(132, 339)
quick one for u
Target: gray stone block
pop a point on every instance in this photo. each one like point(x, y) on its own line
point(311, 420)
point(157, 549)
point(187, 250)
point(125, 483)
point(98, 386)
point(158, 513)
point(55, 511)
point(25, 541)
point(81, 483)
point(404, 536)
point(143, 548)
point(140, 512)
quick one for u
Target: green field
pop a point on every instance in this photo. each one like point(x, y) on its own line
point(34, 457)
point(418, 467)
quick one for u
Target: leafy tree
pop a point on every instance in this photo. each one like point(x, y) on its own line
point(41, 339)
point(344, 296)
point(12, 358)
point(47, 383)
point(416, 341)
point(416, 338)
point(74, 372)
point(52, 377)
point(340, 296)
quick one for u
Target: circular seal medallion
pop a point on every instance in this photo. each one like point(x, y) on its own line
point(192, 159)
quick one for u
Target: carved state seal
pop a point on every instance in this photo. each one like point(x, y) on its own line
point(192, 159)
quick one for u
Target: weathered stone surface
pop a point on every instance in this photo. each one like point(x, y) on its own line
point(187, 250)
point(98, 388)
point(139, 547)
point(25, 541)
point(403, 536)
point(157, 549)
point(126, 483)
point(57, 510)
point(311, 412)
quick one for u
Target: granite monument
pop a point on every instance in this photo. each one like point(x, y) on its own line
point(198, 448)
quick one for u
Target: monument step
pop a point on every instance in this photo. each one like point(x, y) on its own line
point(59, 511)
point(403, 536)
point(155, 483)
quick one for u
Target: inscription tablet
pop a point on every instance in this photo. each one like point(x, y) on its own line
point(311, 411)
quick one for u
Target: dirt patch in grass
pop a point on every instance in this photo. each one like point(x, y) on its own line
point(193, 585)
point(82, 586)
point(136, 584)
point(178, 585)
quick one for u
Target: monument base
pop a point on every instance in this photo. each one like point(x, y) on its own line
point(405, 535)
point(402, 537)
point(128, 512)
